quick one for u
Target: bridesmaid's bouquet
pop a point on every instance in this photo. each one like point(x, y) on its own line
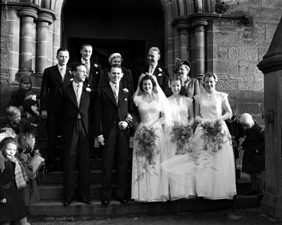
point(145, 139)
point(181, 134)
point(213, 135)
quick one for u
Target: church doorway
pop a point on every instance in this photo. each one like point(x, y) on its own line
point(126, 26)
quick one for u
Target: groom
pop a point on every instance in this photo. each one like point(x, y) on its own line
point(113, 109)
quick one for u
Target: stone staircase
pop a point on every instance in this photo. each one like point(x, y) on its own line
point(51, 192)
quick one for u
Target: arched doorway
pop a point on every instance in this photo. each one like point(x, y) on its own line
point(128, 27)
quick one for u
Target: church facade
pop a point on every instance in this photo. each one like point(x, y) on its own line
point(228, 38)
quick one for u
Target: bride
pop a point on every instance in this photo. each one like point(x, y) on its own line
point(148, 182)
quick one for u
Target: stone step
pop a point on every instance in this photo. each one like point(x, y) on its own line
point(115, 209)
point(57, 177)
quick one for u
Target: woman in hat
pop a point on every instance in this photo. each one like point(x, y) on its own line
point(182, 69)
point(18, 96)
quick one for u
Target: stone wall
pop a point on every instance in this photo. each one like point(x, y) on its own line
point(241, 44)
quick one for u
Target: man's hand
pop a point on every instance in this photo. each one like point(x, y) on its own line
point(122, 125)
point(100, 140)
point(44, 114)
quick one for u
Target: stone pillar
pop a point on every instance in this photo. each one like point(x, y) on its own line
point(43, 21)
point(199, 49)
point(271, 66)
point(26, 40)
point(183, 28)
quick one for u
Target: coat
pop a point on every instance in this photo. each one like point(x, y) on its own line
point(254, 154)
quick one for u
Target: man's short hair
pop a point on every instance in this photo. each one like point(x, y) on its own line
point(62, 50)
point(156, 49)
point(85, 45)
point(12, 111)
point(74, 66)
point(115, 66)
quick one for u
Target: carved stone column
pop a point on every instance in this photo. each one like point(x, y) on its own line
point(26, 39)
point(271, 66)
point(183, 28)
point(43, 21)
point(199, 48)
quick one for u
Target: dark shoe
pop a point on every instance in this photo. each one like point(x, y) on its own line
point(105, 201)
point(66, 203)
point(251, 192)
point(85, 201)
point(122, 200)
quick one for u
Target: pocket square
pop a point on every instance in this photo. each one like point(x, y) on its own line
point(160, 74)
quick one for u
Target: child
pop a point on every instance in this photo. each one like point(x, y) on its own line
point(253, 158)
point(31, 110)
point(26, 143)
point(31, 95)
point(14, 121)
point(19, 95)
point(12, 179)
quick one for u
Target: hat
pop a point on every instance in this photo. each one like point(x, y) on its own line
point(179, 62)
point(114, 55)
point(27, 103)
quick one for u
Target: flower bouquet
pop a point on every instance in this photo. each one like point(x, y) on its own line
point(145, 139)
point(213, 135)
point(181, 134)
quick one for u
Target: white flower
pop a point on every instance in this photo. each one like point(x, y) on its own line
point(160, 69)
point(159, 74)
point(88, 89)
point(96, 65)
point(125, 90)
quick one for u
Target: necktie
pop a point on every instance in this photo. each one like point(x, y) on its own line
point(87, 65)
point(151, 69)
point(78, 92)
point(115, 90)
point(62, 71)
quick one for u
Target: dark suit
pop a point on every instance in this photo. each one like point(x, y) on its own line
point(161, 75)
point(51, 83)
point(75, 141)
point(107, 115)
point(126, 80)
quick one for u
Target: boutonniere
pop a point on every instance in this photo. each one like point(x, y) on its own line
point(160, 69)
point(70, 72)
point(88, 89)
point(71, 79)
point(125, 90)
point(95, 65)
point(125, 99)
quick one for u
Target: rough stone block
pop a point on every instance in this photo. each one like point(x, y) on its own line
point(227, 66)
point(246, 53)
point(271, 4)
point(251, 108)
point(227, 85)
point(247, 69)
point(233, 52)
point(270, 30)
point(226, 38)
point(222, 52)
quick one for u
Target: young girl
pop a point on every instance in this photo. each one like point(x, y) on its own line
point(183, 118)
point(12, 180)
point(26, 143)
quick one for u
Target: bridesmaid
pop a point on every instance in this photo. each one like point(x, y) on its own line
point(182, 115)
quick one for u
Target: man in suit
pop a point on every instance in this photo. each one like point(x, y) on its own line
point(112, 114)
point(72, 114)
point(155, 69)
point(54, 78)
point(126, 80)
point(93, 70)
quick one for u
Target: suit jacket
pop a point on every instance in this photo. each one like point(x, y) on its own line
point(68, 109)
point(107, 111)
point(126, 81)
point(162, 76)
point(24, 126)
point(51, 83)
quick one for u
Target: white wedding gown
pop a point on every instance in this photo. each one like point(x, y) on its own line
point(210, 174)
point(147, 180)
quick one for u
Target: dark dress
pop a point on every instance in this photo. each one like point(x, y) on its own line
point(14, 208)
point(254, 154)
point(17, 97)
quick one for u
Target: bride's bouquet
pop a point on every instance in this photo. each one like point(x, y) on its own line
point(181, 134)
point(213, 135)
point(145, 139)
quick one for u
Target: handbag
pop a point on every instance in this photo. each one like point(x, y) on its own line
point(36, 162)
